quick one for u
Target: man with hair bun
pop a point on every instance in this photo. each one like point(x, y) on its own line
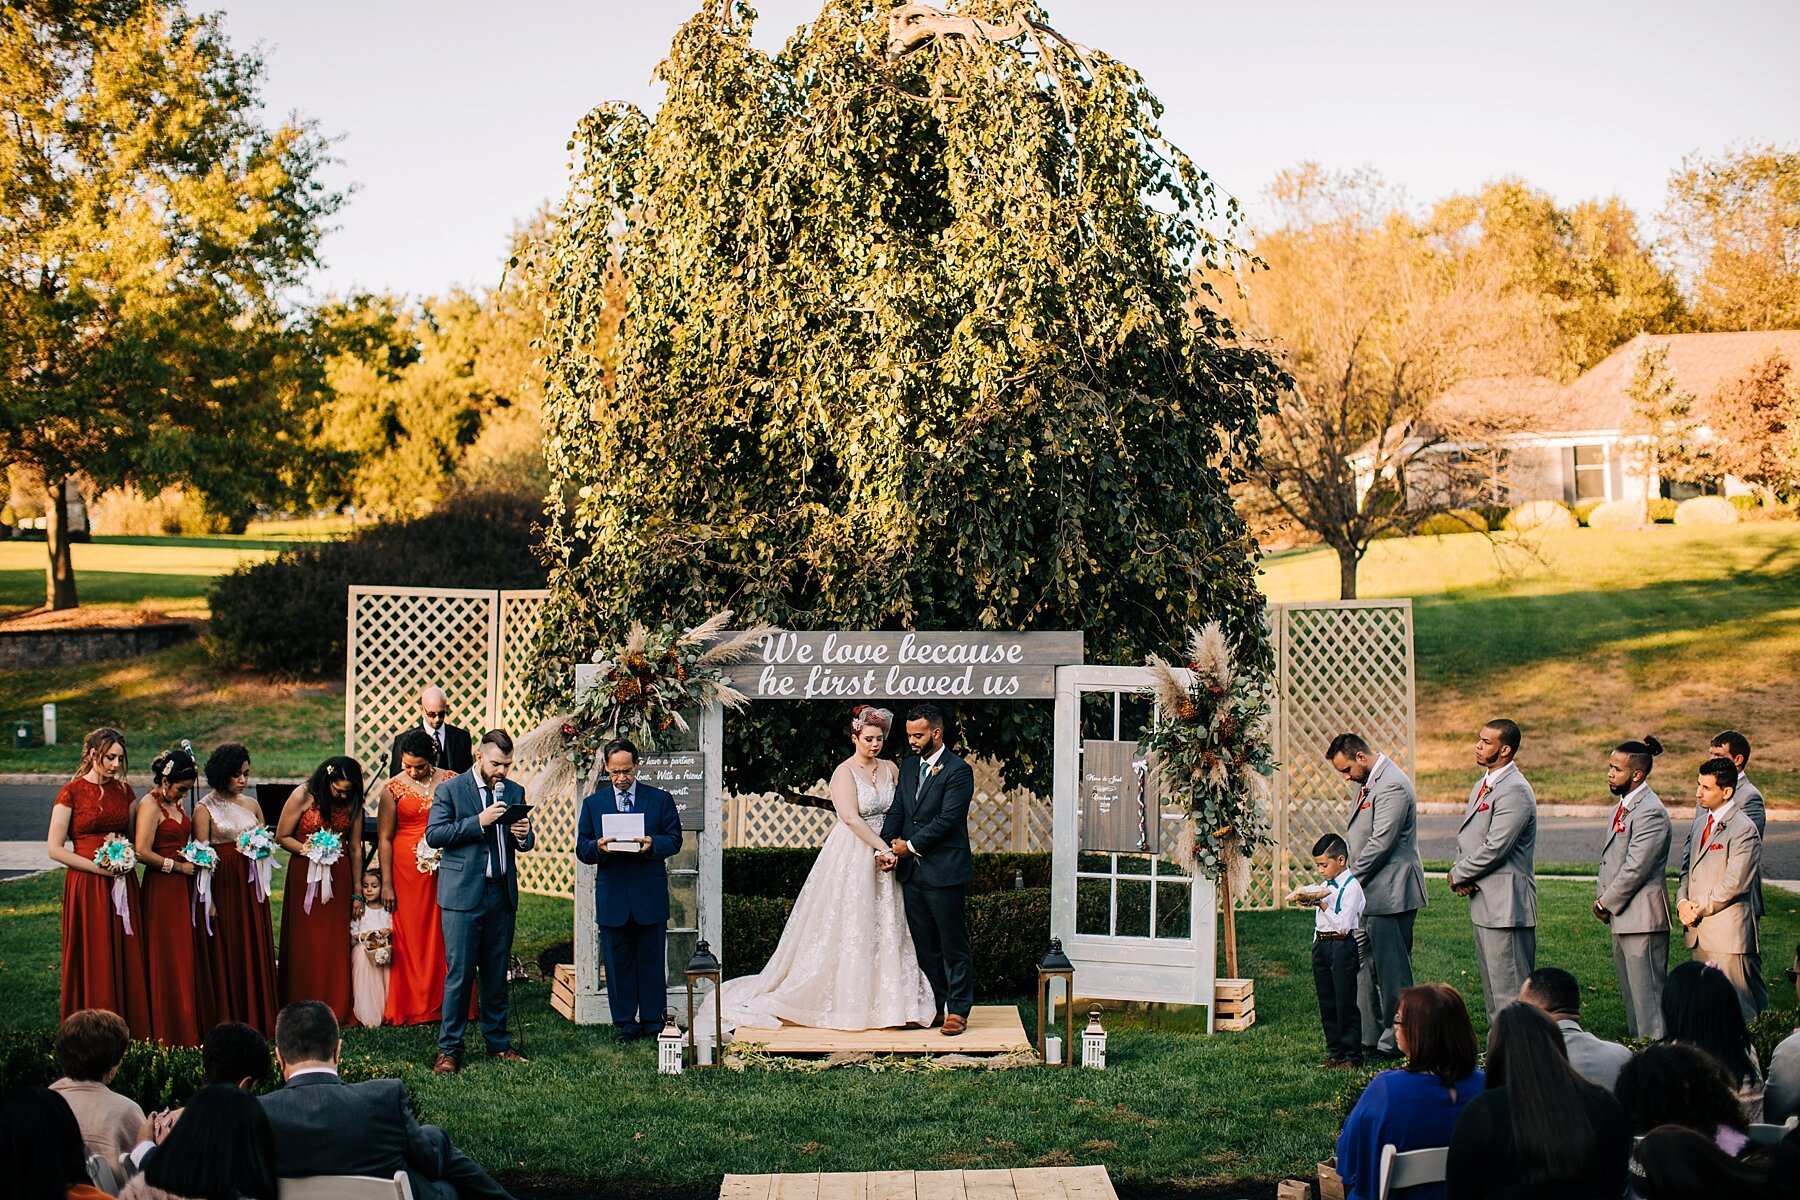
point(1630, 895)
point(1713, 900)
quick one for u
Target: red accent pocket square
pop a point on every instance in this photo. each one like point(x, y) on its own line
point(1363, 807)
point(1715, 846)
point(1482, 807)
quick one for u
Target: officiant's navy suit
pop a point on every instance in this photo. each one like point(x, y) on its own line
point(631, 904)
point(478, 901)
point(931, 811)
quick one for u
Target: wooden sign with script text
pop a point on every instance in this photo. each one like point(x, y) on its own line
point(682, 774)
point(905, 666)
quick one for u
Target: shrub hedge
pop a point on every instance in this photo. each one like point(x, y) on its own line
point(1618, 514)
point(1454, 520)
point(155, 1075)
point(1539, 514)
point(1661, 510)
point(1584, 509)
point(1746, 501)
point(287, 614)
point(1706, 510)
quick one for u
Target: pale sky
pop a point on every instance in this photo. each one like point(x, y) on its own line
point(453, 115)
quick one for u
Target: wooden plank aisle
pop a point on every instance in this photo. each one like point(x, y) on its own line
point(993, 1029)
point(1025, 1183)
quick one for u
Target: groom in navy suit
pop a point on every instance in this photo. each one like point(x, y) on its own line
point(631, 892)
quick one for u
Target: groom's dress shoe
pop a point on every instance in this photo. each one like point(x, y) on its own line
point(954, 1025)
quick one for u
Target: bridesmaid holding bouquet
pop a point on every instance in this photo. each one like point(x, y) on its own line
point(409, 884)
point(104, 962)
point(320, 828)
point(237, 937)
point(174, 929)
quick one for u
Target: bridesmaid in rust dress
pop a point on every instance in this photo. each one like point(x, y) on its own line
point(181, 1006)
point(240, 943)
point(416, 978)
point(315, 928)
point(102, 919)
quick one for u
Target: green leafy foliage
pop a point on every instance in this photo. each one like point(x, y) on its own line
point(906, 343)
point(287, 614)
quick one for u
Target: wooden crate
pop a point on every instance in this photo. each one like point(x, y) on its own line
point(1234, 1004)
point(562, 990)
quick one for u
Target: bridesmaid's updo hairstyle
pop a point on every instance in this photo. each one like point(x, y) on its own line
point(1641, 754)
point(96, 744)
point(419, 744)
point(173, 766)
point(866, 716)
point(224, 763)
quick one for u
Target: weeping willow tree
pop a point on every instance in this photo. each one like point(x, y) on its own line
point(908, 341)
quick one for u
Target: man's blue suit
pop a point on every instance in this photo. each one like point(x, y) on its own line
point(631, 904)
point(477, 908)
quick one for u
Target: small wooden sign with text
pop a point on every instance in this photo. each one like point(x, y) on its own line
point(906, 666)
point(682, 774)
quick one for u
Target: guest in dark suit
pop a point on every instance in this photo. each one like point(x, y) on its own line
point(1382, 835)
point(478, 895)
point(324, 1126)
point(454, 752)
point(631, 892)
point(928, 828)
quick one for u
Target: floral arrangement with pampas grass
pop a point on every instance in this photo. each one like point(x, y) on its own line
point(1212, 739)
point(645, 685)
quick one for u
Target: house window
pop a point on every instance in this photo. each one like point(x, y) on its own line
point(1590, 472)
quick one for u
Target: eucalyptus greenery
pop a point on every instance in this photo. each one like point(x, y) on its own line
point(909, 341)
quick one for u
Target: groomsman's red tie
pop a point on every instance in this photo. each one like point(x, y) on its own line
point(1619, 818)
point(1481, 792)
point(1707, 836)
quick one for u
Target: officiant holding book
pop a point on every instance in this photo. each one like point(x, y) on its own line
point(628, 830)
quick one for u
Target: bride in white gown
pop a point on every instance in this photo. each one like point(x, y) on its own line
point(846, 959)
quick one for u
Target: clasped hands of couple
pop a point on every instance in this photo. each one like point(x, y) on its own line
point(887, 860)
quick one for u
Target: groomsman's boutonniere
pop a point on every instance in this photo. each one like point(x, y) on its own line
point(933, 773)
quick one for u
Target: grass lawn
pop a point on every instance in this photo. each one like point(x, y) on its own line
point(171, 574)
point(1588, 637)
point(1174, 1108)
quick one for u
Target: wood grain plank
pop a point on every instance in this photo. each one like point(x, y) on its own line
point(1087, 1183)
point(796, 1187)
point(843, 1185)
point(746, 1187)
point(891, 1185)
point(988, 1185)
point(939, 1185)
point(1038, 1183)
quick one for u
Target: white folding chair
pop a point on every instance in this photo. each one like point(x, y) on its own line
point(100, 1171)
point(1409, 1168)
point(347, 1187)
point(1771, 1135)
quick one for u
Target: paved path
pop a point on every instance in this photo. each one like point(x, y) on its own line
point(1579, 839)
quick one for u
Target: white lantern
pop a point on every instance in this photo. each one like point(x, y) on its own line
point(668, 1046)
point(1093, 1042)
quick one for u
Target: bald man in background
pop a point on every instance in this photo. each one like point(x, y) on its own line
point(454, 752)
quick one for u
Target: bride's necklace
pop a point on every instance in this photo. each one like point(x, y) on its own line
point(872, 777)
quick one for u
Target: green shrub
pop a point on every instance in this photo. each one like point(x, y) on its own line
point(1661, 509)
point(154, 1075)
point(1618, 514)
point(1539, 514)
point(1585, 509)
point(779, 872)
point(1706, 510)
point(1455, 520)
point(1746, 501)
point(1493, 514)
point(287, 614)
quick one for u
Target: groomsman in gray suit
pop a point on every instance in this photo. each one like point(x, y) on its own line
point(1749, 798)
point(1713, 900)
point(1493, 866)
point(1382, 835)
point(1631, 897)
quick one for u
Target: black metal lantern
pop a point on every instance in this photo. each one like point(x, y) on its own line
point(703, 966)
point(1056, 965)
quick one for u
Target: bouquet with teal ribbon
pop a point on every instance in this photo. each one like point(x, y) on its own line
point(323, 850)
point(118, 858)
point(257, 845)
point(204, 859)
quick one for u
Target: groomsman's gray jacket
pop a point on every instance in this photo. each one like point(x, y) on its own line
point(1718, 881)
point(1494, 851)
point(1382, 835)
point(1631, 885)
point(1748, 798)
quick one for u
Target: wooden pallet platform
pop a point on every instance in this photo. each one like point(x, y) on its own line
point(1234, 1004)
point(1031, 1183)
point(993, 1029)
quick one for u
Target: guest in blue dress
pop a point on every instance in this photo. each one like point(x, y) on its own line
point(1414, 1108)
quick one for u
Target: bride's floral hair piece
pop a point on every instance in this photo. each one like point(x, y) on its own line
point(864, 715)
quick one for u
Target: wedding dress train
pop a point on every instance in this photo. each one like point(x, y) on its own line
point(845, 960)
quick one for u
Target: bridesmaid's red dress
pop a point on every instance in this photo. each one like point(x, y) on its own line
point(181, 1004)
point(103, 966)
point(416, 978)
point(315, 946)
point(240, 950)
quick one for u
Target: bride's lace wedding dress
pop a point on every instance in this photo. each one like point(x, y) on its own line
point(845, 960)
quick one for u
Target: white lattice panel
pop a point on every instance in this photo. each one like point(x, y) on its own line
point(550, 869)
point(401, 641)
point(1341, 667)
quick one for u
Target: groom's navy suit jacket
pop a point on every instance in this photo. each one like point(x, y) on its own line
point(934, 820)
point(630, 887)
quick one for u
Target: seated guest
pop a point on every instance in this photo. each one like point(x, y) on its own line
point(1556, 992)
point(324, 1126)
point(41, 1147)
point(1673, 1084)
point(1781, 1098)
point(1672, 1162)
point(1538, 1129)
point(236, 1054)
point(1700, 1008)
point(221, 1149)
point(1414, 1107)
point(90, 1045)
